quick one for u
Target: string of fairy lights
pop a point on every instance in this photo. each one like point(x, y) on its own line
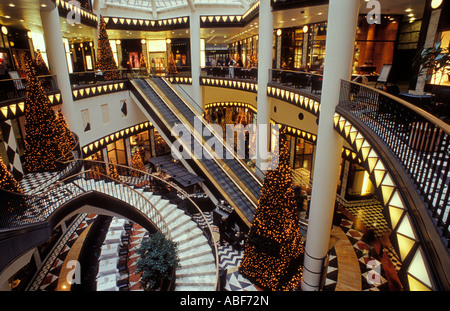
point(274, 248)
point(105, 57)
point(47, 138)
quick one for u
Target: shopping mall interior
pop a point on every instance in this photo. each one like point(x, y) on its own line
point(225, 145)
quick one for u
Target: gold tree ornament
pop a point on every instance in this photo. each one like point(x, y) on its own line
point(113, 172)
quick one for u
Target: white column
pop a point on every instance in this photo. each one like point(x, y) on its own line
point(194, 22)
point(265, 45)
point(58, 62)
point(341, 31)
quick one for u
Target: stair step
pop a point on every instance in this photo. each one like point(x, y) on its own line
point(178, 220)
point(191, 268)
point(195, 286)
point(190, 246)
point(181, 238)
point(183, 229)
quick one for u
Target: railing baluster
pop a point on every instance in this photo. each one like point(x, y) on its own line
point(419, 143)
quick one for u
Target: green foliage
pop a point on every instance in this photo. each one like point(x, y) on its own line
point(435, 58)
point(157, 260)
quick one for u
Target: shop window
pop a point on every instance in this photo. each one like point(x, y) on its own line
point(359, 184)
point(161, 147)
point(116, 152)
point(141, 143)
point(303, 154)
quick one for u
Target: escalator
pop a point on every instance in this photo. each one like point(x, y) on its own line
point(228, 177)
point(237, 166)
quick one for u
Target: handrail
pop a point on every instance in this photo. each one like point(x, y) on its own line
point(178, 189)
point(212, 157)
point(429, 117)
point(206, 124)
point(419, 141)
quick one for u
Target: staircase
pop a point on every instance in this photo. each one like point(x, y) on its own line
point(198, 268)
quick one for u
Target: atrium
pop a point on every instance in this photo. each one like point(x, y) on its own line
point(224, 145)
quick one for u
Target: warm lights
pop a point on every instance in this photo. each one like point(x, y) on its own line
point(46, 140)
point(105, 57)
point(274, 249)
point(435, 4)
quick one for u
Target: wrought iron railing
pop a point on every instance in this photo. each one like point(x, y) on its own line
point(26, 209)
point(419, 141)
point(17, 88)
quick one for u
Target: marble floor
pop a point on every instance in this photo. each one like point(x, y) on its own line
point(353, 263)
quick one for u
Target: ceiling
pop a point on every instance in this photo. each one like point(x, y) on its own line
point(25, 14)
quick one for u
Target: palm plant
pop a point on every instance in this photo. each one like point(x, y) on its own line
point(432, 60)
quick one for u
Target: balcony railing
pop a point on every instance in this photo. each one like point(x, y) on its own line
point(11, 89)
point(419, 141)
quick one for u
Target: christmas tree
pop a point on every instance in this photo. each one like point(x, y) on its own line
point(8, 183)
point(142, 62)
point(273, 251)
point(43, 132)
point(113, 172)
point(67, 141)
point(138, 164)
point(105, 57)
point(40, 65)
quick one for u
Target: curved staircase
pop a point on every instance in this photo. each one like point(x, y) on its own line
point(198, 268)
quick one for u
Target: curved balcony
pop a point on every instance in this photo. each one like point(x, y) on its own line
point(405, 150)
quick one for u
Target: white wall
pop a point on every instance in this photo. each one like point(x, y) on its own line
point(116, 121)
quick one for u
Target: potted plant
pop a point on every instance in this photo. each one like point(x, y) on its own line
point(436, 58)
point(157, 261)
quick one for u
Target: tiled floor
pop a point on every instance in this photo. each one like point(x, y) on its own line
point(372, 275)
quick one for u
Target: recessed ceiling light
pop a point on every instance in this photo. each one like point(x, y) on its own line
point(292, 19)
point(410, 14)
point(408, 10)
point(12, 5)
point(7, 16)
point(43, 5)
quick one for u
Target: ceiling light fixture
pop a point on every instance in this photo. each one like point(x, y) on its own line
point(435, 4)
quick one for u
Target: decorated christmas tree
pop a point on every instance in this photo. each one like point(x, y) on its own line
point(137, 163)
point(40, 65)
point(43, 132)
point(105, 57)
point(113, 172)
point(7, 182)
point(67, 141)
point(142, 62)
point(273, 250)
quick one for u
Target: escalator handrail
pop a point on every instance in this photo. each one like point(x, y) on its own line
point(252, 203)
point(226, 146)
